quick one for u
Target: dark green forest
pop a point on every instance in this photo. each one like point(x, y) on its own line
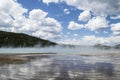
point(10, 39)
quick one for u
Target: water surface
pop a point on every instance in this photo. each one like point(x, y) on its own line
point(64, 67)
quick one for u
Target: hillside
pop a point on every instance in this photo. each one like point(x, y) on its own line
point(10, 39)
point(101, 46)
point(117, 46)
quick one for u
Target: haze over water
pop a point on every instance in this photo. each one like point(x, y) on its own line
point(59, 49)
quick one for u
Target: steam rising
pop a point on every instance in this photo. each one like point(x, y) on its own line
point(59, 49)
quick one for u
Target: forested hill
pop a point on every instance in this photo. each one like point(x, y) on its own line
point(10, 39)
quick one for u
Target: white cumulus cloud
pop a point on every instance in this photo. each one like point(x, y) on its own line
point(10, 11)
point(66, 11)
point(92, 40)
point(97, 23)
point(115, 28)
point(115, 17)
point(75, 35)
point(50, 1)
point(93, 24)
point(84, 16)
point(95, 40)
point(98, 7)
point(75, 26)
point(13, 18)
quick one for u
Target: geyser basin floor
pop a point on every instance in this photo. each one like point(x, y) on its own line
point(60, 67)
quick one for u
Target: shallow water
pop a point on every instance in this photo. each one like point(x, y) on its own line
point(64, 67)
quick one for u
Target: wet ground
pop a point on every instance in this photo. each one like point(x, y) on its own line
point(63, 67)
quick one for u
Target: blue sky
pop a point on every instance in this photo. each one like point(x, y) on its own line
point(68, 22)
